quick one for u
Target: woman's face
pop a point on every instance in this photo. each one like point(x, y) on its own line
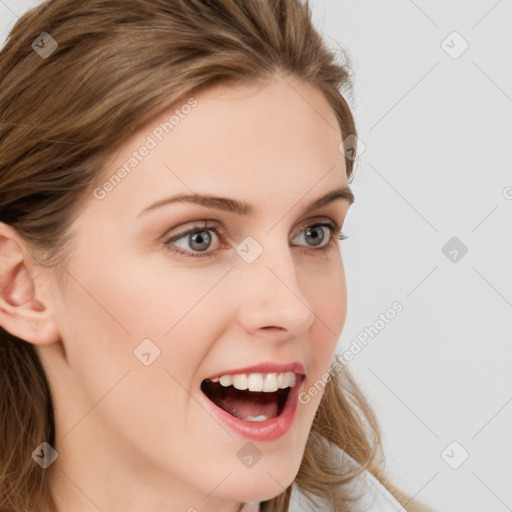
point(142, 325)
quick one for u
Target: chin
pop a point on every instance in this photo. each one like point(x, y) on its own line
point(259, 485)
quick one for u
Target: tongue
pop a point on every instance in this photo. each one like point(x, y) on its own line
point(250, 405)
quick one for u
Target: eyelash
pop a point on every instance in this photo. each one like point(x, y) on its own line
point(336, 235)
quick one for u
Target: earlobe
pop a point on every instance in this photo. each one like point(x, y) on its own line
point(21, 313)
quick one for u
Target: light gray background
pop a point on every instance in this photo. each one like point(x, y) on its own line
point(437, 164)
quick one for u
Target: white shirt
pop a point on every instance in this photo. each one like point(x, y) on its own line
point(374, 496)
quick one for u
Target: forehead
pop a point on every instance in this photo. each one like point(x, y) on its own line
point(274, 138)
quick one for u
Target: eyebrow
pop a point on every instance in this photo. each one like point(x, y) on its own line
point(243, 208)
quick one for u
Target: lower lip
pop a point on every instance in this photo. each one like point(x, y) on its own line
point(267, 430)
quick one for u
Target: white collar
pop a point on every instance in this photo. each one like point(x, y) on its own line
point(374, 496)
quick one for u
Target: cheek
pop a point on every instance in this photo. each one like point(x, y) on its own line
point(118, 318)
point(329, 302)
point(328, 299)
point(162, 298)
point(110, 310)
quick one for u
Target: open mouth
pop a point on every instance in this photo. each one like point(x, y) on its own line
point(252, 397)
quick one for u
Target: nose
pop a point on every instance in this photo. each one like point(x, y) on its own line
point(271, 295)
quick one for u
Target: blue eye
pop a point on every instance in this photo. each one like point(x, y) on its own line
point(316, 233)
point(200, 238)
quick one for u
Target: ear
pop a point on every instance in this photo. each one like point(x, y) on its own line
point(24, 312)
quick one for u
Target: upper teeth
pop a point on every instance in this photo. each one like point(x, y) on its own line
point(258, 381)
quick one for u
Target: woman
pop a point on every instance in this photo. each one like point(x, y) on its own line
point(172, 192)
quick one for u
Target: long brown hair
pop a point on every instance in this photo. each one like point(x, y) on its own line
point(119, 64)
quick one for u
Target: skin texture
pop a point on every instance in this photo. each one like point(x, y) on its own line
point(132, 437)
